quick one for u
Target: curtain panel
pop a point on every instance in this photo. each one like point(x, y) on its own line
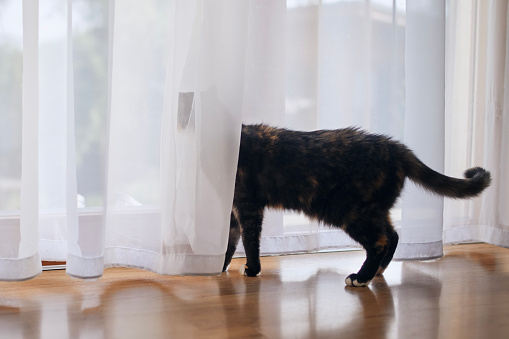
point(477, 118)
point(106, 158)
point(378, 65)
point(429, 73)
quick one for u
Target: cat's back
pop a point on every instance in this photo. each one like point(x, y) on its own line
point(266, 148)
point(268, 139)
point(303, 170)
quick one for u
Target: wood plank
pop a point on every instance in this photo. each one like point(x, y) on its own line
point(464, 294)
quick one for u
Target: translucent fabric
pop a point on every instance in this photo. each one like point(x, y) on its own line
point(120, 120)
point(127, 117)
point(374, 64)
point(477, 118)
point(386, 66)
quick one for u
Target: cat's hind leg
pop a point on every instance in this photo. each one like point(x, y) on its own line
point(370, 234)
point(233, 240)
point(251, 223)
point(393, 244)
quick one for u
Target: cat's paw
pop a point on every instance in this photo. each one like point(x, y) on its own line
point(249, 272)
point(225, 268)
point(352, 280)
point(381, 270)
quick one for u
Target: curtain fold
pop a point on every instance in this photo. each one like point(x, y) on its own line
point(422, 213)
point(20, 254)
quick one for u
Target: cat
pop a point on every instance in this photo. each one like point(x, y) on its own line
point(345, 178)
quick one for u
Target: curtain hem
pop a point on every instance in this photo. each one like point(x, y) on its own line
point(20, 269)
point(166, 264)
point(304, 243)
point(84, 268)
point(477, 233)
point(419, 251)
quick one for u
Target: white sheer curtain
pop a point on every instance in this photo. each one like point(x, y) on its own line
point(375, 64)
point(477, 119)
point(120, 124)
point(120, 120)
point(381, 65)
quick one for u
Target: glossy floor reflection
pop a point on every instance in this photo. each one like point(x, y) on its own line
point(463, 295)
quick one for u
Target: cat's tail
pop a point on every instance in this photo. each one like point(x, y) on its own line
point(476, 180)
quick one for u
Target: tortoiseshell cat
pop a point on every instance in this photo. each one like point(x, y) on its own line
point(344, 178)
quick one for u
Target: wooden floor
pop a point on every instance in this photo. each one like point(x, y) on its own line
point(463, 295)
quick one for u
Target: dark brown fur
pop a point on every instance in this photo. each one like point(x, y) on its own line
point(344, 178)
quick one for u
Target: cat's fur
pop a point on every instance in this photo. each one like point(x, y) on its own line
point(344, 178)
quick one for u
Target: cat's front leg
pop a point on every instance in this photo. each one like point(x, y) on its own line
point(251, 223)
point(233, 240)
